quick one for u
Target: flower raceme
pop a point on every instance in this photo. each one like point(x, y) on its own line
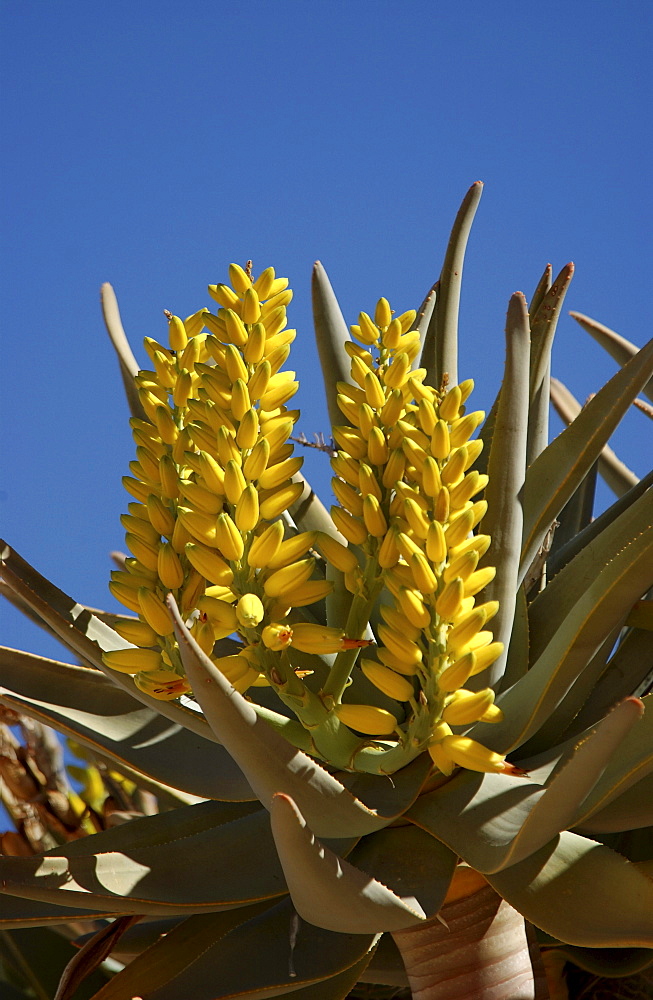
point(212, 483)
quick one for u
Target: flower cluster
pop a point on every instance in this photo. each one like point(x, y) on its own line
point(212, 480)
point(212, 485)
point(406, 498)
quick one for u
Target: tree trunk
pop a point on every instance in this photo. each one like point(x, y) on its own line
point(483, 952)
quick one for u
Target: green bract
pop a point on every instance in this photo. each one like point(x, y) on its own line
point(269, 807)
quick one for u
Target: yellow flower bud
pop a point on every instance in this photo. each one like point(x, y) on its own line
point(164, 685)
point(170, 570)
point(367, 719)
point(413, 607)
point(373, 516)
point(391, 684)
point(135, 631)
point(451, 404)
point(249, 610)
point(335, 553)
point(265, 546)
point(177, 333)
point(132, 660)
point(468, 753)
point(289, 577)
point(277, 636)
point(282, 499)
point(229, 538)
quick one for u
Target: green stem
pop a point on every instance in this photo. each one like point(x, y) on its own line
point(357, 622)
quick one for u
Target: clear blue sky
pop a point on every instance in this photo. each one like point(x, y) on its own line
point(149, 145)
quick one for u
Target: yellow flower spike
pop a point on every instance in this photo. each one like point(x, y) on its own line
point(396, 375)
point(373, 516)
point(155, 612)
point(486, 655)
point(424, 577)
point(277, 636)
point(204, 636)
point(426, 416)
point(418, 523)
point(382, 313)
point(350, 441)
point(396, 662)
point(349, 527)
point(436, 543)
point(373, 392)
point(398, 621)
point(229, 539)
point(264, 283)
point(239, 279)
point(277, 431)
point(348, 409)
point(392, 335)
point(251, 309)
point(246, 514)
point(234, 481)
point(183, 388)
point(377, 448)
point(278, 396)
point(367, 719)
point(473, 483)
point(254, 349)
point(407, 547)
point(180, 537)
point(414, 453)
point(406, 319)
point(366, 420)
point(345, 467)
point(465, 707)
point(250, 610)
point(256, 462)
point(463, 428)
point(440, 443)
point(276, 300)
point(223, 295)
point(451, 404)
point(356, 351)
point(468, 753)
point(177, 335)
point(359, 369)
point(368, 332)
point(474, 449)
point(240, 401)
point(144, 552)
point(125, 595)
point(412, 605)
point(171, 573)
point(132, 661)
point(394, 469)
point(388, 554)
point(276, 475)
point(265, 546)
point(387, 681)
point(211, 565)
point(221, 614)
point(277, 286)
point(234, 365)
point(289, 577)
point(234, 667)
point(169, 477)
point(393, 408)
point(465, 630)
point(211, 472)
point(191, 354)
point(154, 347)
point(277, 358)
point(199, 498)
point(478, 581)
point(309, 638)
point(306, 594)
point(282, 499)
point(454, 469)
point(274, 322)
point(462, 565)
point(459, 528)
point(466, 389)
point(458, 673)
point(338, 555)
point(398, 644)
point(201, 526)
point(143, 529)
point(292, 549)
point(490, 608)
point(164, 371)
point(347, 497)
point(164, 685)
point(135, 631)
point(368, 482)
point(228, 450)
point(441, 759)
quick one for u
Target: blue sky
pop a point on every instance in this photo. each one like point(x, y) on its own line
point(149, 147)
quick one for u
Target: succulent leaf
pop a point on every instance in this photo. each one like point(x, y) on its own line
point(618, 347)
point(556, 473)
point(331, 333)
point(328, 891)
point(129, 366)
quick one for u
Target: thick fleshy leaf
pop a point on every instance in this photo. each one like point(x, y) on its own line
point(268, 761)
point(628, 671)
point(581, 893)
point(541, 289)
point(331, 332)
point(84, 633)
point(618, 347)
point(631, 811)
point(507, 468)
point(86, 705)
point(386, 966)
point(408, 861)
point(423, 318)
point(329, 892)
point(40, 955)
point(576, 514)
point(129, 366)
point(528, 704)
point(86, 961)
point(609, 962)
point(194, 859)
point(222, 956)
point(556, 473)
point(443, 356)
point(543, 322)
point(494, 820)
point(561, 556)
point(616, 474)
point(18, 913)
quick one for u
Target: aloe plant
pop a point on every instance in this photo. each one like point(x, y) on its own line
point(386, 739)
